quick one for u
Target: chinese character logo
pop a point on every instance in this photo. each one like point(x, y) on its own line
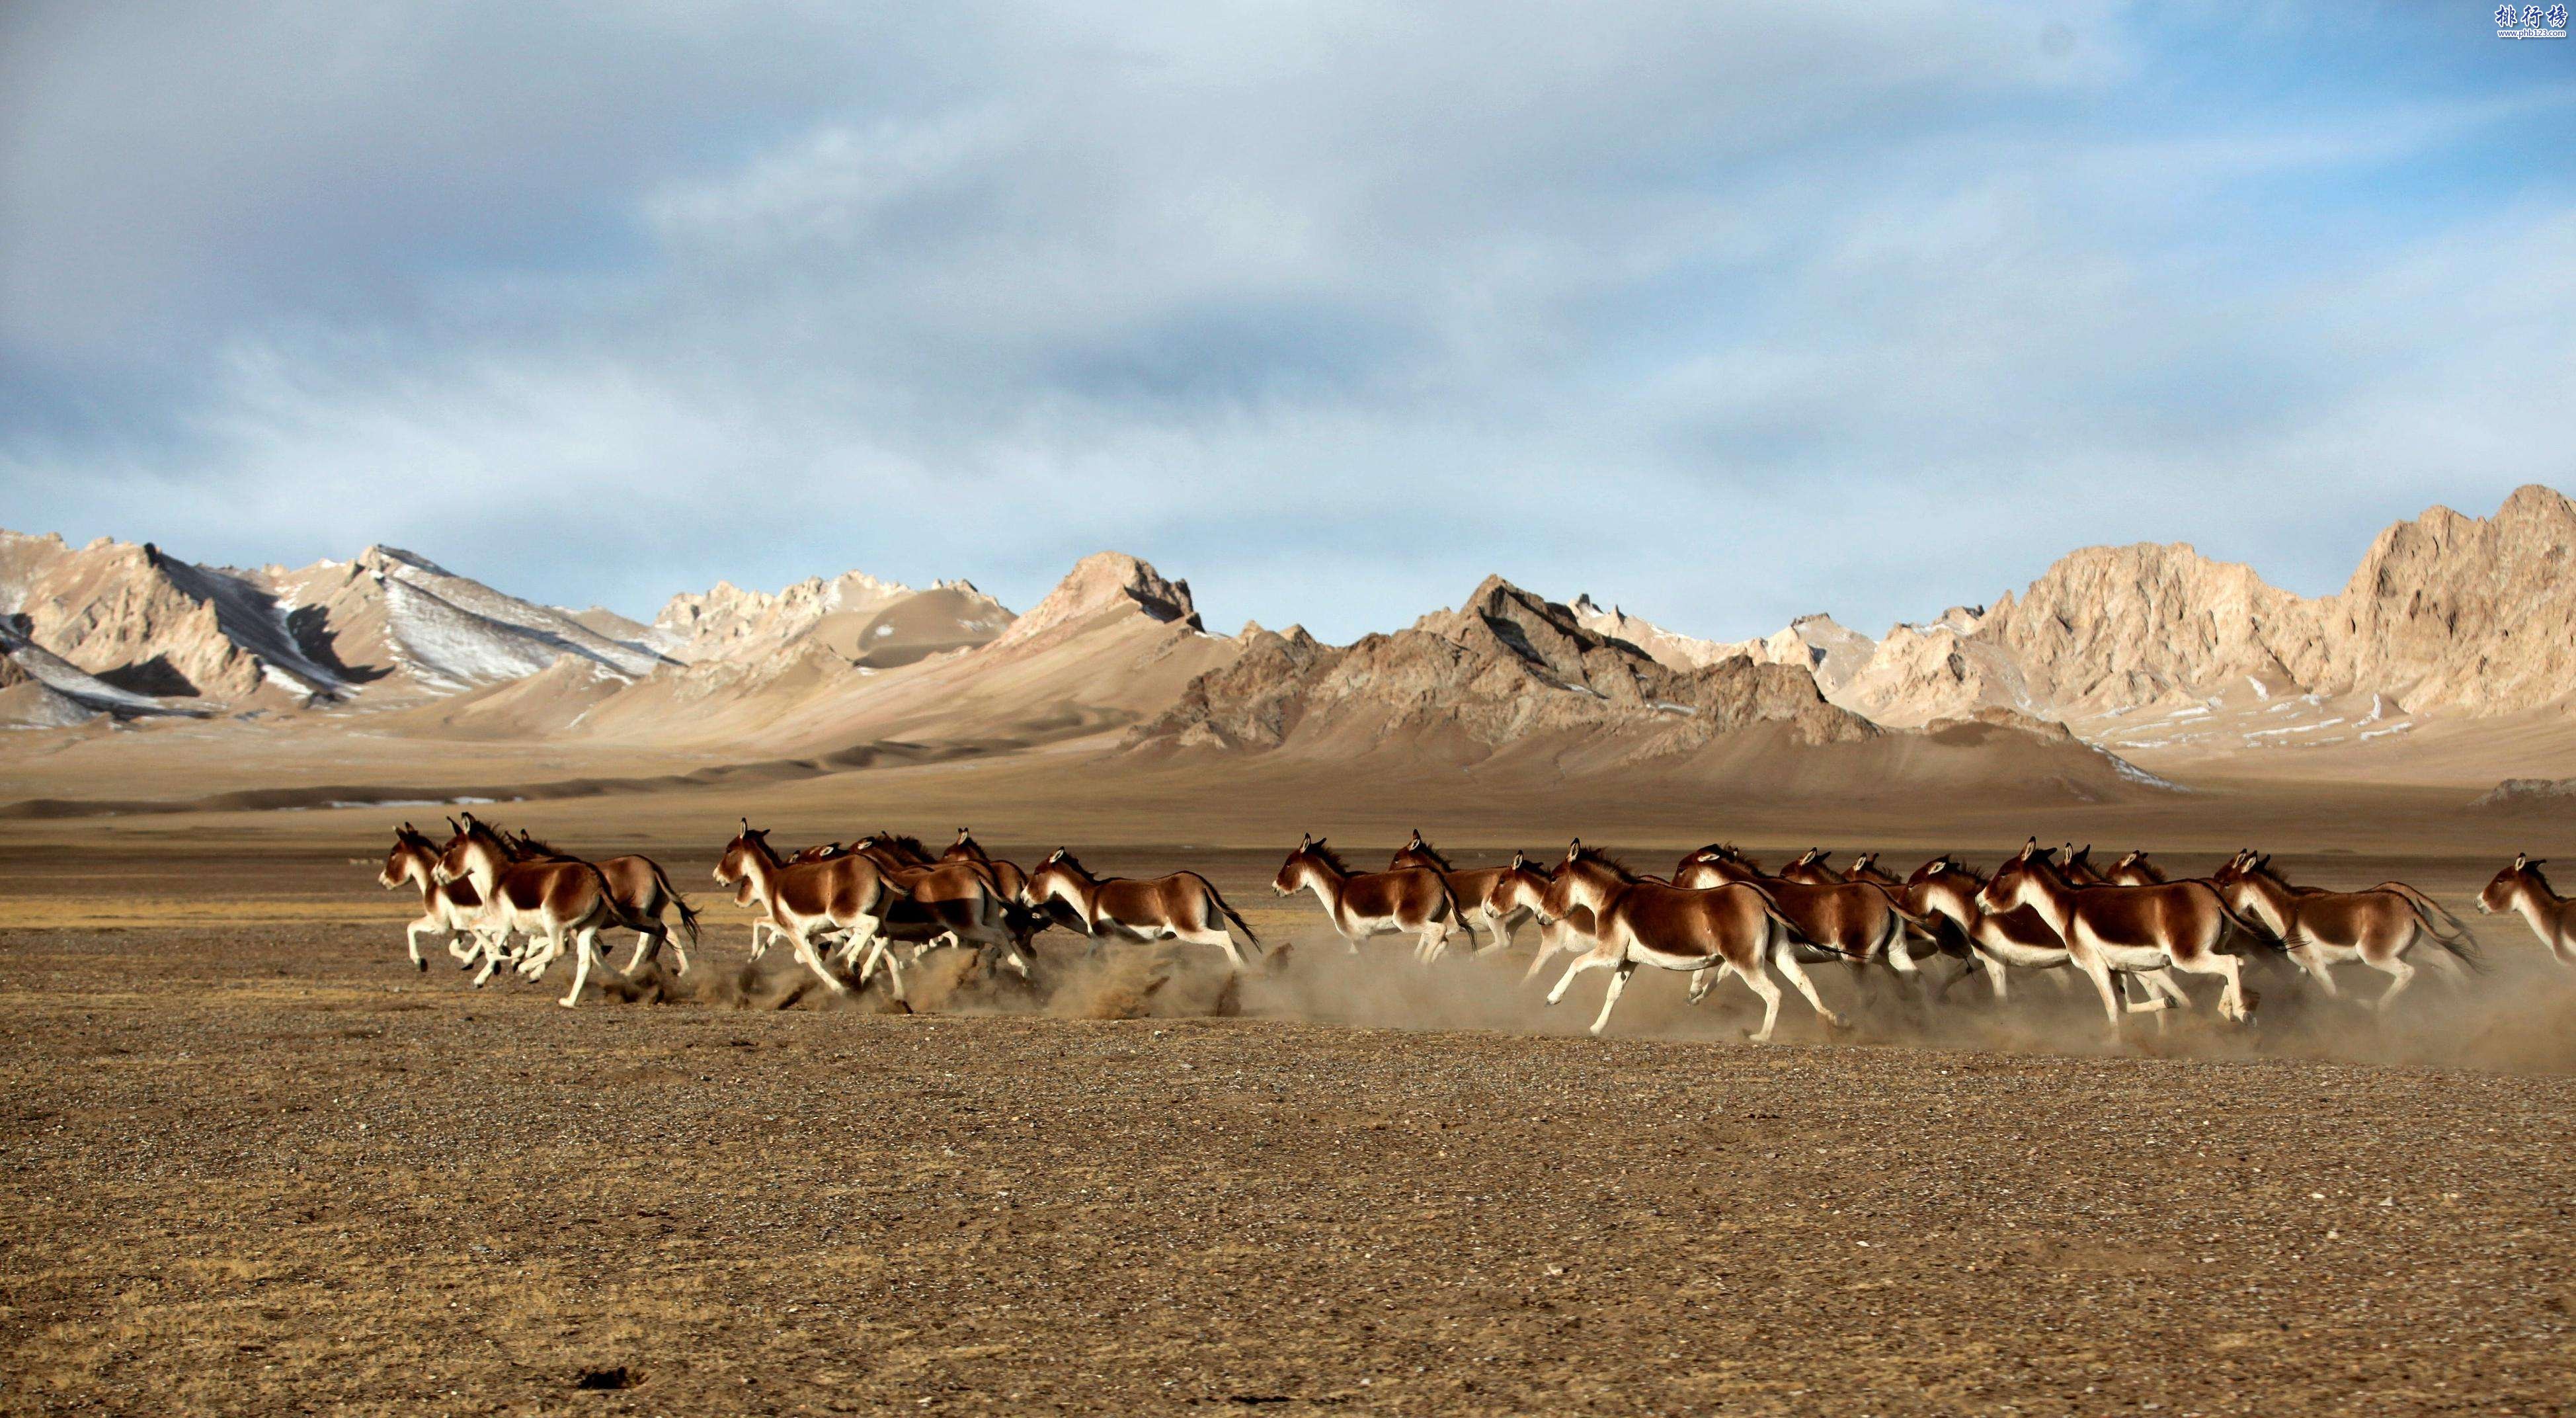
point(2531, 22)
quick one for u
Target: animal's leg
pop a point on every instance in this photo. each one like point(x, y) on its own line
point(2098, 970)
point(2314, 962)
point(1784, 957)
point(411, 940)
point(2401, 975)
point(1435, 940)
point(1590, 960)
point(2163, 991)
point(814, 961)
point(1759, 981)
point(1618, 983)
point(1223, 940)
point(1550, 940)
point(2232, 1003)
point(491, 956)
point(1707, 978)
point(585, 948)
point(648, 946)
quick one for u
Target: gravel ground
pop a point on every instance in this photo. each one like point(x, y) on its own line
point(269, 1168)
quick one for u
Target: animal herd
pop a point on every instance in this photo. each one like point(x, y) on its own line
point(849, 911)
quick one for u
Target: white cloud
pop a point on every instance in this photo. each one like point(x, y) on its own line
point(1729, 315)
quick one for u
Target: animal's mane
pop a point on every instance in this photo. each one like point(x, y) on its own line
point(1427, 850)
point(1615, 864)
point(539, 846)
point(1329, 857)
point(2533, 871)
point(906, 845)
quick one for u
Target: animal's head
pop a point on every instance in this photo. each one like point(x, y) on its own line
point(2505, 892)
point(411, 854)
point(1059, 866)
point(965, 848)
point(2018, 879)
point(1418, 853)
point(1809, 868)
point(1307, 861)
point(1515, 886)
point(475, 845)
point(734, 867)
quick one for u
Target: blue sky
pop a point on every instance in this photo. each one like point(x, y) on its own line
point(1725, 313)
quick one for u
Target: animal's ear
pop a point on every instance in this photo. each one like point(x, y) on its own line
point(2520, 861)
point(1937, 867)
point(1304, 841)
point(962, 834)
point(1519, 860)
point(1057, 855)
point(2028, 849)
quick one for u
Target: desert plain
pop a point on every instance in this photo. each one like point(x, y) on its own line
point(255, 1162)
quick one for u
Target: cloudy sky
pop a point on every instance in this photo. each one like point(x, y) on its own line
point(1726, 312)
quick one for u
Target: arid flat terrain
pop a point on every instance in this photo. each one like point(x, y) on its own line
point(254, 1162)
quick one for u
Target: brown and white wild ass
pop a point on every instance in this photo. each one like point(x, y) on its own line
point(957, 902)
point(2521, 888)
point(2019, 938)
point(1182, 906)
point(1734, 928)
point(449, 910)
point(549, 901)
point(1472, 889)
point(642, 889)
point(1519, 890)
point(1413, 901)
point(2377, 927)
point(844, 892)
point(1858, 921)
point(2145, 930)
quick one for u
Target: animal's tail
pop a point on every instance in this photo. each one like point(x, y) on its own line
point(2448, 931)
point(618, 913)
point(2244, 924)
point(1229, 912)
point(1771, 908)
point(679, 903)
point(1924, 925)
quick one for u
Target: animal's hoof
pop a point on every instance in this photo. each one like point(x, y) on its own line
point(1757, 1036)
point(1838, 1024)
point(568, 1004)
point(421, 965)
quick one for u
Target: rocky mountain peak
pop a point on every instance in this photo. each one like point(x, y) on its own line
point(1102, 581)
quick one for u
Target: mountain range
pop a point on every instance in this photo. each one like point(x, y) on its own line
point(2112, 654)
